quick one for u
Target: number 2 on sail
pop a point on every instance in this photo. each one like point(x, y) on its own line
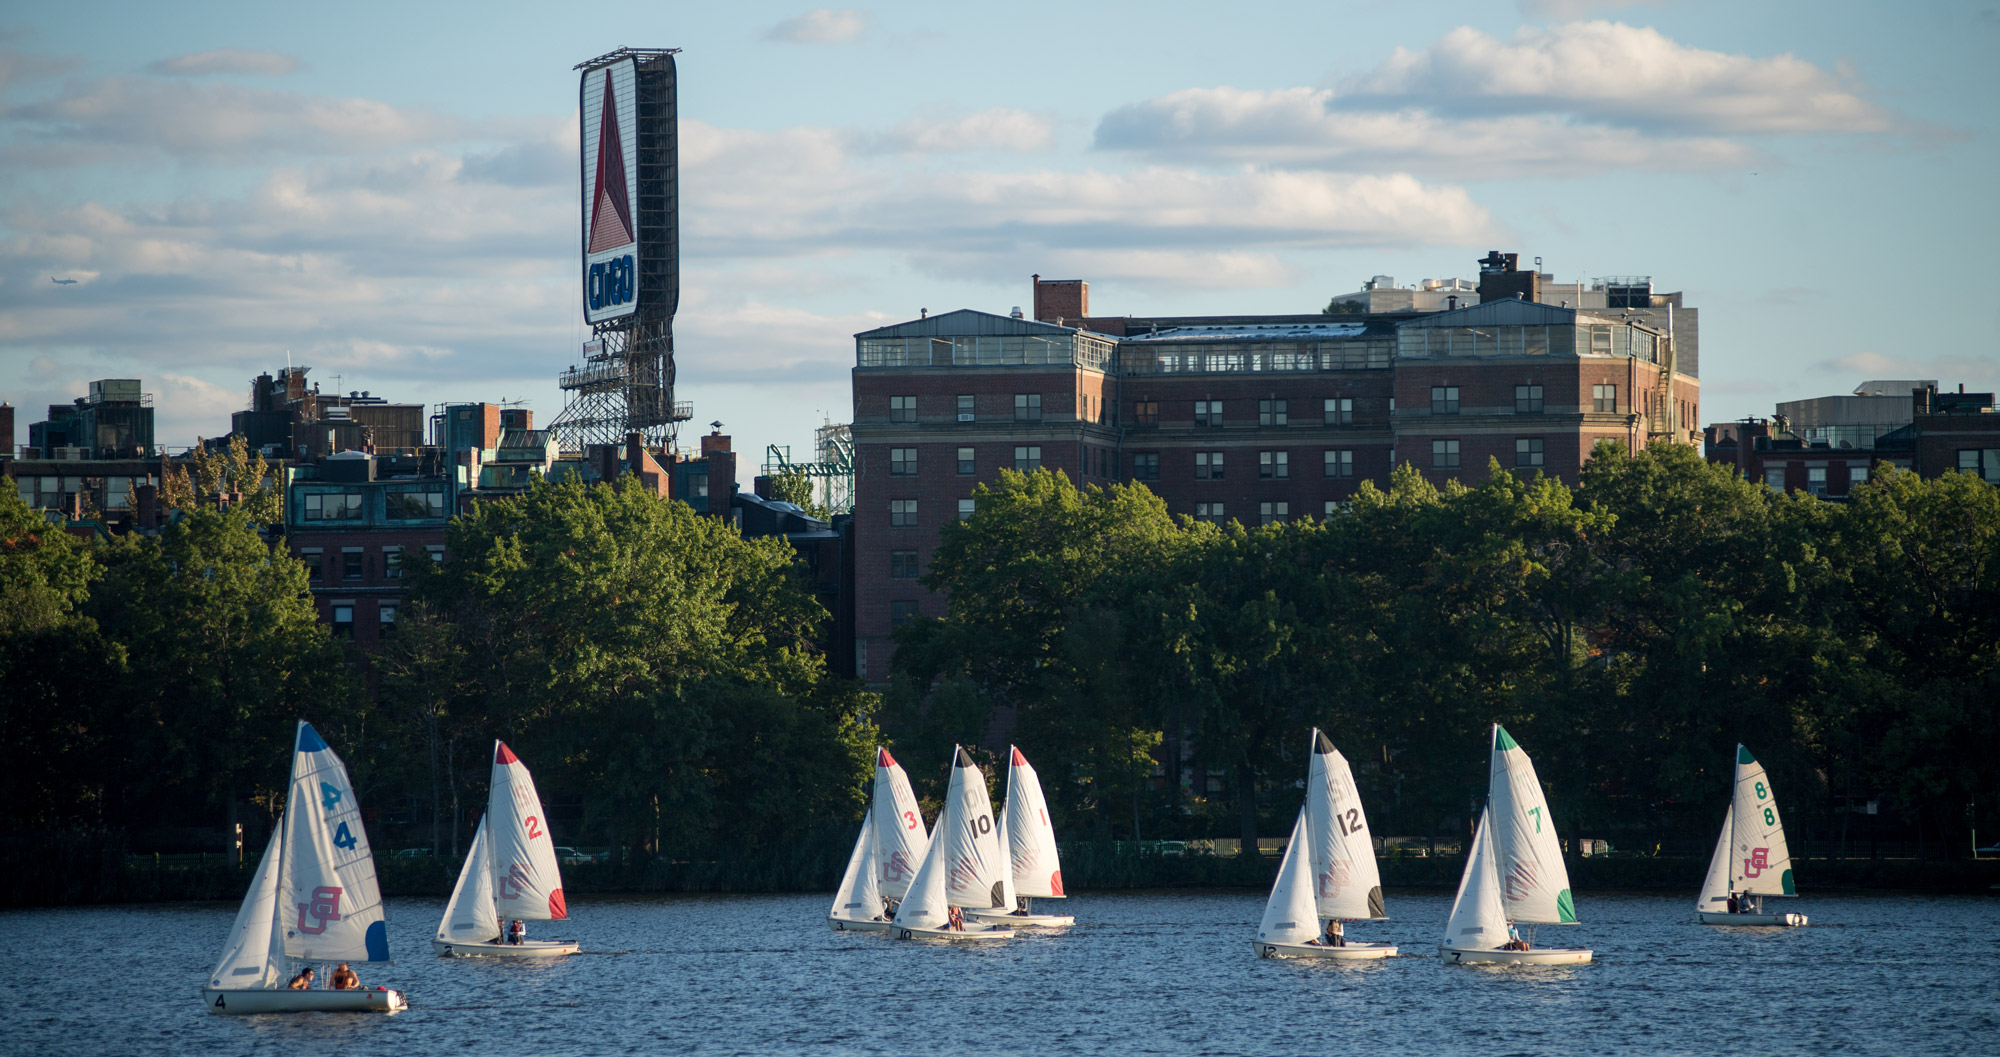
point(1350, 821)
point(534, 827)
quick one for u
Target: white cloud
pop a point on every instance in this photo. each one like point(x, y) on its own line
point(824, 25)
point(994, 129)
point(1617, 74)
point(1307, 127)
point(226, 60)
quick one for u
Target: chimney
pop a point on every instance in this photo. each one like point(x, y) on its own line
point(1920, 400)
point(1061, 299)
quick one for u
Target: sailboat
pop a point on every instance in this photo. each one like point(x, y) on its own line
point(509, 873)
point(313, 899)
point(1034, 869)
point(962, 867)
point(886, 853)
point(1338, 876)
point(1516, 863)
point(1751, 860)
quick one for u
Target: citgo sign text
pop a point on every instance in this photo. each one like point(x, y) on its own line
point(611, 282)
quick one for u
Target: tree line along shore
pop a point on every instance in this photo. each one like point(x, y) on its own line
point(666, 674)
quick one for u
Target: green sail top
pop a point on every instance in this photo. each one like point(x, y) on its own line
point(1502, 741)
point(1743, 756)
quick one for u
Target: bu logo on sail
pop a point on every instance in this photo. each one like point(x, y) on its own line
point(1758, 862)
point(324, 908)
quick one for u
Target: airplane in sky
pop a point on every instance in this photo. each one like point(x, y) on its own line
point(62, 282)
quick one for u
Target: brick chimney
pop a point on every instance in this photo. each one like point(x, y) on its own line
point(1065, 300)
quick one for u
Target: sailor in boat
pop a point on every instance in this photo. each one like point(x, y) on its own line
point(1514, 940)
point(889, 908)
point(955, 919)
point(1336, 935)
point(1734, 905)
point(344, 979)
point(517, 932)
point(303, 981)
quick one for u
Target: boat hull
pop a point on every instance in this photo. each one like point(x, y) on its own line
point(1022, 921)
point(838, 924)
point(1726, 918)
point(969, 935)
point(529, 949)
point(1538, 956)
point(1352, 952)
point(285, 1000)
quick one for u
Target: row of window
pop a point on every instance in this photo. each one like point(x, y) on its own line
point(1529, 453)
point(349, 564)
point(404, 505)
point(1334, 411)
point(903, 461)
point(343, 620)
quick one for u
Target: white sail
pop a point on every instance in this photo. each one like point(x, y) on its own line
point(247, 956)
point(1714, 896)
point(1031, 838)
point(859, 898)
point(900, 838)
point(469, 917)
point(1478, 922)
point(1346, 882)
point(1008, 893)
point(923, 905)
point(527, 884)
point(1759, 862)
point(1534, 883)
point(1289, 915)
point(329, 904)
point(973, 862)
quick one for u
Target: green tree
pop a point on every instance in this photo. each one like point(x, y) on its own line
point(206, 476)
point(795, 486)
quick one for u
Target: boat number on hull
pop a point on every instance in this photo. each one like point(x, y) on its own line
point(1454, 957)
point(218, 1003)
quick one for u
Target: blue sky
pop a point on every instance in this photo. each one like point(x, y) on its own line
point(388, 191)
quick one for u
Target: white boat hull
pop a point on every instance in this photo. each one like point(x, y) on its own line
point(528, 949)
point(839, 924)
point(1538, 956)
point(970, 934)
point(1726, 918)
point(1022, 921)
point(285, 1000)
point(1353, 952)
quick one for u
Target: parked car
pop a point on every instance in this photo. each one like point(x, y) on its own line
point(412, 853)
point(569, 856)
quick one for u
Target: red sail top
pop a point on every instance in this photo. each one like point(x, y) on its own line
point(503, 755)
point(1019, 760)
point(883, 759)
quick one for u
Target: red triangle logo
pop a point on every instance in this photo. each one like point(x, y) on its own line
point(610, 213)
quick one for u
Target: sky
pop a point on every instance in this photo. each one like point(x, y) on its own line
point(388, 193)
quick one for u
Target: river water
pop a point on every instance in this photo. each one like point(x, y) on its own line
point(1142, 973)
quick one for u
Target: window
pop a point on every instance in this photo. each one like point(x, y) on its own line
point(385, 620)
point(965, 509)
point(1339, 462)
point(1028, 458)
point(350, 563)
point(1774, 478)
point(436, 551)
point(698, 482)
point(1856, 475)
point(1981, 462)
point(1339, 411)
point(901, 613)
point(966, 409)
point(967, 463)
point(902, 513)
point(902, 462)
point(392, 563)
point(1332, 507)
point(1527, 451)
point(1208, 512)
point(1146, 412)
point(1027, 407)
point(1816, 480)
point(1274, 465)
point(333, 506)
point(902, 409)
point(343, 620)
point(902, 565)
point(1146, 466)
point(1444, 455)
point(1272, 412)
point(311, 559)
point(1444, 400)
point(1527, 399)
point(1208, 466)
point(1604, 398)
point(1268, 513)
point(1208, 412)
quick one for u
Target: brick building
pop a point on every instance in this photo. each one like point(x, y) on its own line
point(1828, 445)
point(1246, 418)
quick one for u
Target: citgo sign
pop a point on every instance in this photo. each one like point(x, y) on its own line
point(610, 283)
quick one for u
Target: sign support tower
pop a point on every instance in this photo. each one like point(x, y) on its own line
point(631, 254)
